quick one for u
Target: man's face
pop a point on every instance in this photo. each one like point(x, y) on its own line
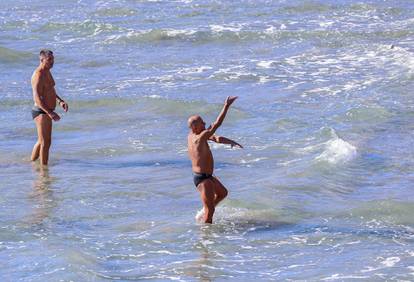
point(48, 61)
point(199, 125)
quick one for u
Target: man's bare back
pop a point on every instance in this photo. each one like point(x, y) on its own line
point(211, 189)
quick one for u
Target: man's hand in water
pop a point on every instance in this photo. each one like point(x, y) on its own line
point(230, 100)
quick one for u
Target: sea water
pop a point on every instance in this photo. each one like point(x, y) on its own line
point(322, 190)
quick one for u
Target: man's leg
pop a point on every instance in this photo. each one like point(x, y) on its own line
point(206, 189)
point(45, 137)
point(219, 190)
point(36, 147)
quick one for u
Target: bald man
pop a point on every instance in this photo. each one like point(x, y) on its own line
point(210, 188)
point(43, 112)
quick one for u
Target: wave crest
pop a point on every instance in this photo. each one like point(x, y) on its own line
point(337, 151)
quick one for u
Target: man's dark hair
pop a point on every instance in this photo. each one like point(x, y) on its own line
point(45, 53)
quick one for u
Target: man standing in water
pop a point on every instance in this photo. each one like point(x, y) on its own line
point(211, 190)
point(44, 97)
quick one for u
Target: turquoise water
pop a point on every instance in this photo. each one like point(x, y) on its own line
point(322, 190)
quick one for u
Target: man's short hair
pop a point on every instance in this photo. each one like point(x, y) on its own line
point(192, 120)
point(45, 53)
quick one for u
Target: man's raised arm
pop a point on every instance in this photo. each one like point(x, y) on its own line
point(213, 127)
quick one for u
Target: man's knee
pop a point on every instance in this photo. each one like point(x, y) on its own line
point(221, 191)
point(220, 196)
point(225, 193)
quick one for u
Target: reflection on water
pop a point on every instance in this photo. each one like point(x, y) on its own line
point(205, 268)
point(42, 195)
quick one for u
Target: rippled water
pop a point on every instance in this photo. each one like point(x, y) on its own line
point(322, 190)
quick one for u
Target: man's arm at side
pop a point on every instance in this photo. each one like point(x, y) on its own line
point(62, 103)
point(206, 134)
point(224, 140)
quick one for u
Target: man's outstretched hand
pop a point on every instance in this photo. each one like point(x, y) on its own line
point(230, 100)
point(235, 144)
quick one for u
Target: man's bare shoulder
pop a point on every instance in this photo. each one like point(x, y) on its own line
point(196, 138)
point(39, 74)
point(191, 137)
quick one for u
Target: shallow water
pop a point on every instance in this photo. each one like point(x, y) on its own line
point(322, 190)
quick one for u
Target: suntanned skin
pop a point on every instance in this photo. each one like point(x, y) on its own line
point(44, 97)
point(211, 190)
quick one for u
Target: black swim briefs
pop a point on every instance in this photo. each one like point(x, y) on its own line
point(37, 111)
point(200, 177)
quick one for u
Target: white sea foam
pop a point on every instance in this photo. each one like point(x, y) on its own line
point(338, 276)
point(370, 269)
point(337, 151)
point(253, 160)
point(235, 73)
point(273, 30)
point(221, 28)
point(265, 64)
point(199, 216)
point(326, 24)
point(177, 32)
point(193, 70)
point(264, 79)
point(153, 96)
point(226, 213)
point(391, 261)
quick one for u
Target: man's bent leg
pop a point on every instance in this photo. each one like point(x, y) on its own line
point(45, 137)
point(35, 151)
point(219, 190)
point(206, 189)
